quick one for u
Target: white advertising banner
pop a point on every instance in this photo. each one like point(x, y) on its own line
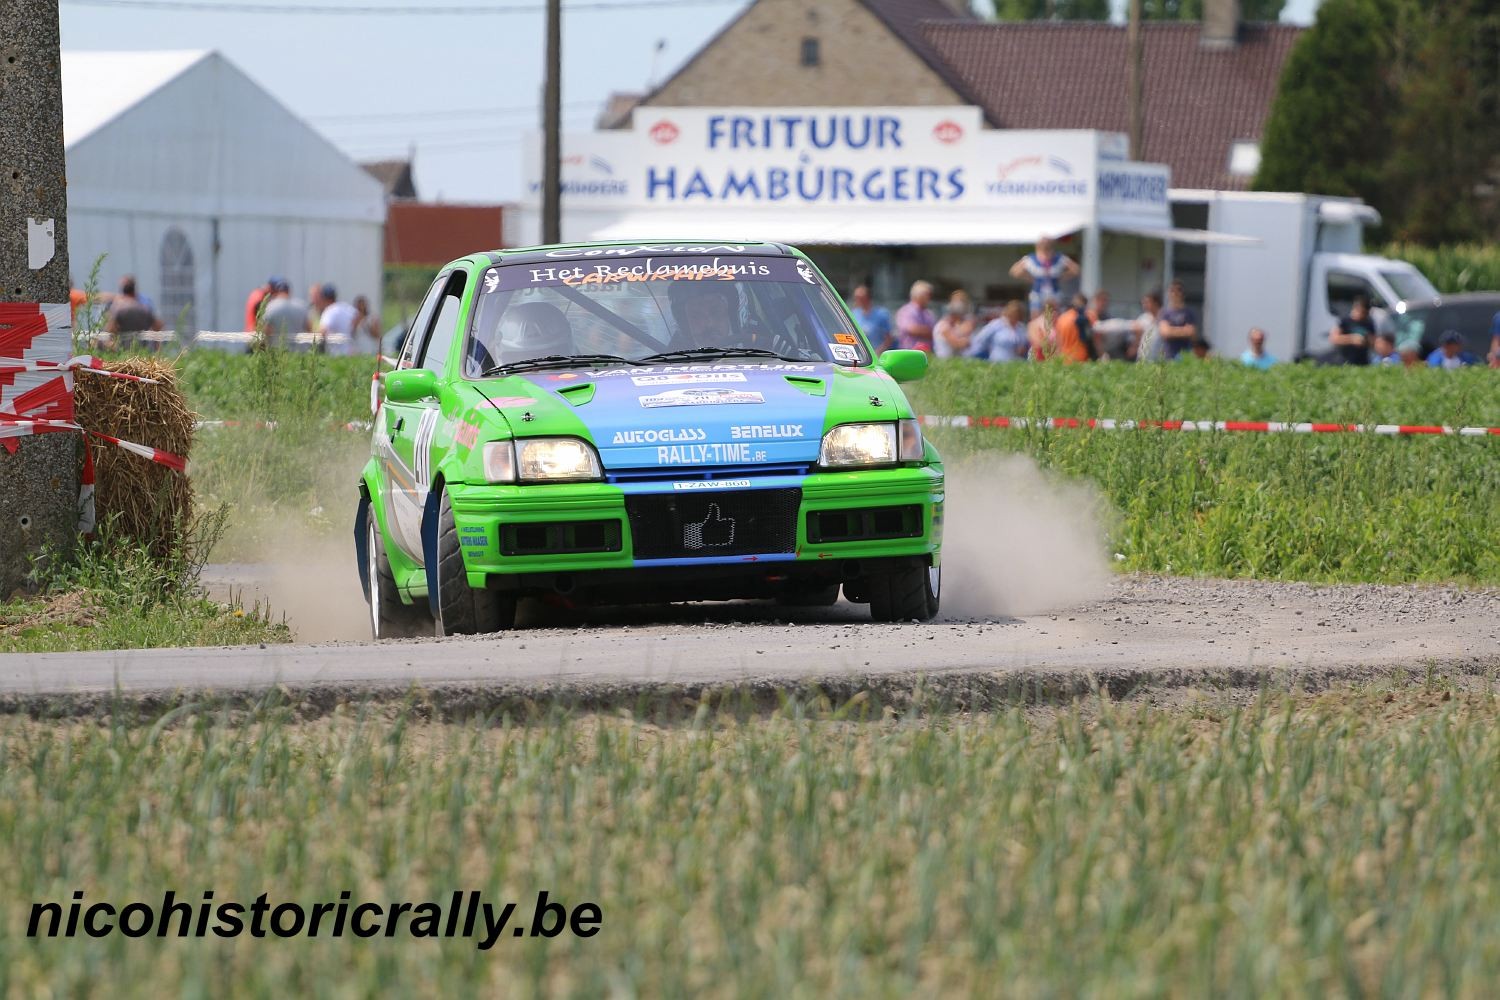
point(857, 175)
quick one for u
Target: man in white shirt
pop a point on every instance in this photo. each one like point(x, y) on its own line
point(335, 323)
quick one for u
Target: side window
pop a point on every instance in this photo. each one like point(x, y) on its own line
point(1342, 288)
point(435, 355)
point(416, 332)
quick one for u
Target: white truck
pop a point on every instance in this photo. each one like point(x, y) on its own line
point(1298, 279)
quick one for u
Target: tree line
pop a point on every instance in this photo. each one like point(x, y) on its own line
point(1396, 102)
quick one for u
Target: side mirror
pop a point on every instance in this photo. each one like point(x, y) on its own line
point(903, 366)
point(410, 385)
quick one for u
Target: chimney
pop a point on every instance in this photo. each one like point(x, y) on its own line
point(1221, 24)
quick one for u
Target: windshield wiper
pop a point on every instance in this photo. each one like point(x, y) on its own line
point(555, 361)
point(714, 352)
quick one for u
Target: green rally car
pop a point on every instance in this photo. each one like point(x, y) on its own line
point(620, 423)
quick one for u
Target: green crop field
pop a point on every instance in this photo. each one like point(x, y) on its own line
point(1300, 845)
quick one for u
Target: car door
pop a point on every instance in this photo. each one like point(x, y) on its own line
point(400, 421)
point(418, 421)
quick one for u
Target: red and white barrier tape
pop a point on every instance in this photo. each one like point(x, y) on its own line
point(12, 426)
point(270, 425)
point(1250, 426)
point(82, 362)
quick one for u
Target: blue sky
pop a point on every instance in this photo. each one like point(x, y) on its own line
point(462, 89)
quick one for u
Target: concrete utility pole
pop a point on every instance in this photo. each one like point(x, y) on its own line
point(39, 483)
point(552, 127)
point(1134, 71)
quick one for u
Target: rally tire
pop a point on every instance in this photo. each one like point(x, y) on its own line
point(462, 609)
point(390, 617)
point(910, 593)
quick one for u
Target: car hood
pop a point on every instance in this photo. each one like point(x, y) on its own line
point(711, 414)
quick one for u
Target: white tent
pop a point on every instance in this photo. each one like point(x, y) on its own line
point(190, 176)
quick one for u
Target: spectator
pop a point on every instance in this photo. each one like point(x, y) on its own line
point(1256, 355)
point(282, 317)
point(315, 305)
point(1495, 341)
point(1042, 331)
point(914, 321)
point(873, 320)
point(1201, 347)
point(367, 331)
point(1351, 336)
point(335, 322)
point(1178, 325)
point(258, 295)
point(1071, 335)
point(128, 316)
point(1385, 349)
point(1410, 349)
point(1004, 337)
point(1109, 338)
point(1147, 344)
point(1046, 269)
point(1450, 352)
point(954, 332)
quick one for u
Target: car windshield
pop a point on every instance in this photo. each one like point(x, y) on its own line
point(1409, 286)
point(636, 308)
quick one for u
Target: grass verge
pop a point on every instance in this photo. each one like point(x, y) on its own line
point(115, 596)
point(1328, 844)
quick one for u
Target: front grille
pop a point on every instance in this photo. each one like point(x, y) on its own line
point(713, 523)
point(864, 524)
point(559, 538)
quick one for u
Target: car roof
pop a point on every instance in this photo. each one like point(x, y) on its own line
point(631, 248)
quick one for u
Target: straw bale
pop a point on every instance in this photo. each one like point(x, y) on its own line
point(150, 503)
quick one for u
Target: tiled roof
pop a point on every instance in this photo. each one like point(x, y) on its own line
point(1198, 100)
point(907, 19)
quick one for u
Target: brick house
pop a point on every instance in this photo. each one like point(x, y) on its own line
point(1207, 87)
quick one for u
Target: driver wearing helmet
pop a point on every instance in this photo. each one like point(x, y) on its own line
point(526, 331)
point(707, 314)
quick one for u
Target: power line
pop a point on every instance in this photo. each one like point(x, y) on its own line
point(203, 7)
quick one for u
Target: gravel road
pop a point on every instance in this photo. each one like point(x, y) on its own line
point(1165, 631)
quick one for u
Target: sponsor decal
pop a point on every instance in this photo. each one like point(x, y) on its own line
point(500, 402)
point(843, 352)
point(805, 272)
point(719, 453)
point(687, 378)
point(664, 133)
point(713, 484)
point(635, 250)
point(701, 397)
point(947, 131)
point(563, 376)
point(658, 436)
point(473, 536)
point(765, 431)
point(612, 273)
point(649, 270)
point(846, 338)
point(466, 434)
point(668, 369)
point(491, 279)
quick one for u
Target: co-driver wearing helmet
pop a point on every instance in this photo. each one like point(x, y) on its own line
point(706, 314)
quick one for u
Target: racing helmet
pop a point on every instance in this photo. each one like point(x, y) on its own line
point(680, 293)
point(533, 330)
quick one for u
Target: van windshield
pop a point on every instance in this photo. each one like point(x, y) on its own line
point(1409, 286)
point(638, 308)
